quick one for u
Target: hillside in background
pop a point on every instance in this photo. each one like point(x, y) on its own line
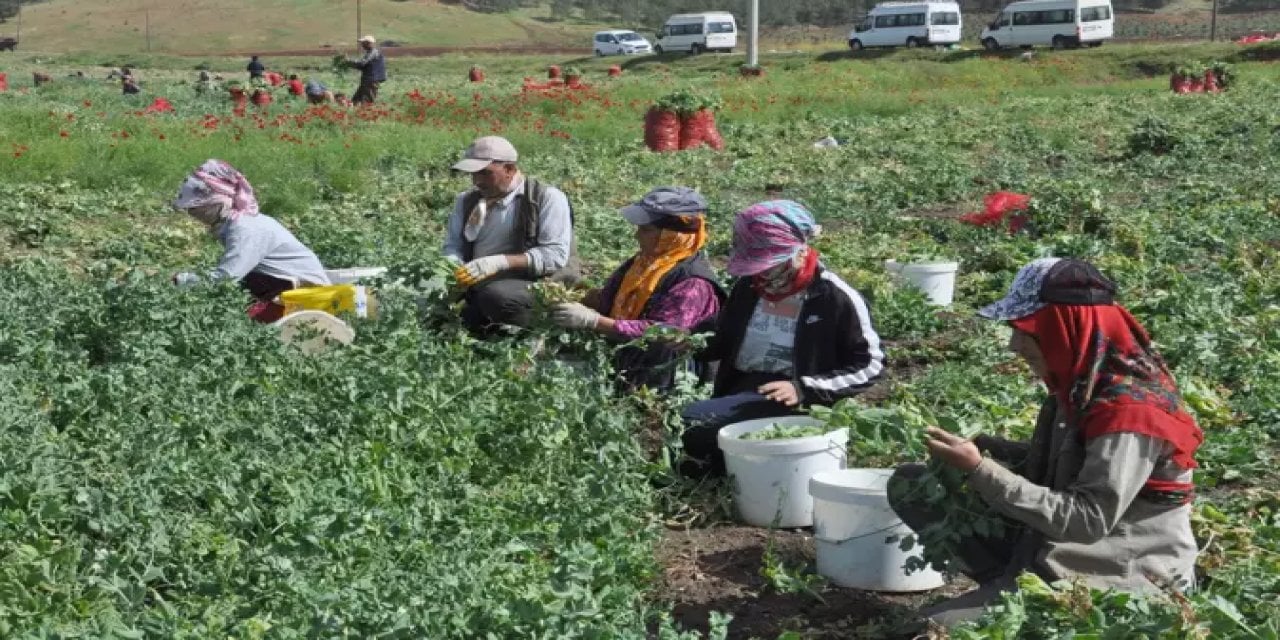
point(208, 26)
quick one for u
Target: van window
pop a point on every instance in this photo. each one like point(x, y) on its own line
point(1004, 19)
point(1095, 14)
point(900, 20)
point(886, 21)
point(1061, 16)
point(602, 37)
point(720, 27)
point(630, 37)
point(945, 18)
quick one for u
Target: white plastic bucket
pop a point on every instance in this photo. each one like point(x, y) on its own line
point(353, 274)
point(936, 279)
point(314, 332)
point(858, 534)
point(771, 477)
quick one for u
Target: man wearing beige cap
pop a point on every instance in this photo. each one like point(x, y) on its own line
point(505, 233)
point(373, 71)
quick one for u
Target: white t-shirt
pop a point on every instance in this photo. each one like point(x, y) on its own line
point(769, 344)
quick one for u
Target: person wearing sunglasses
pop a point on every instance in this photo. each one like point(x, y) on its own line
point(792, 334)
point(1103, 490)
point(507, 232)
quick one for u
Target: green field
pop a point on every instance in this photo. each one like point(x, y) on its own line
point(169, 470)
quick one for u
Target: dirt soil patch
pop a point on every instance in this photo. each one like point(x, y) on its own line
point(718, 569)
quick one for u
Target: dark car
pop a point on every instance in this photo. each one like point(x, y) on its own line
point(8, 43)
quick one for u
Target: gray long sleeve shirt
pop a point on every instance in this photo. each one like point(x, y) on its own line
point(1082, 506)
point(260, 243)
point(499, 235)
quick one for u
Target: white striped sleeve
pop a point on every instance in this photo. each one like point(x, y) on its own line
point(842, 380)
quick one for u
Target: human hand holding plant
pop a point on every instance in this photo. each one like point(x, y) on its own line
point(955, 451)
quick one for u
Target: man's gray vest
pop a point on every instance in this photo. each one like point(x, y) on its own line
point(528, 216)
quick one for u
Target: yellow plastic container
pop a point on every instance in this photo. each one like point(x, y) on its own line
point(334, 299)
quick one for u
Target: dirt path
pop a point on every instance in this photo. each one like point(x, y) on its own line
point(717, 569)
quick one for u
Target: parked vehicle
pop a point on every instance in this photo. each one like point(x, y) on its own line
point(621, 42)
point(908, 24)
point(1056, 23)
point(698, 32)
point(8, 44)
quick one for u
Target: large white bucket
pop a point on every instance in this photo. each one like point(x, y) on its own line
point(936, 279)
point(858, 534)
point(771, 477)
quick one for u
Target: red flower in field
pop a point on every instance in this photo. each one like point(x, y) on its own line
point(160, 105)
point(161, 136)
point(64, 134)
point(87, 104)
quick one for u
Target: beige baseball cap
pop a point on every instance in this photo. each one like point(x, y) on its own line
point(486, 151)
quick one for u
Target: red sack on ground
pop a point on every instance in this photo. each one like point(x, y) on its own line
point(997, 207)
point(476, 74)
point(261, 98)
point(1211, 81)
point(615, 71)
point(662, 130)
point(1183, 85)
point(4, 83)
point(699, 129)
point(553, 71)
point(160, 105)
point(296, 88)
point(274, 79)
point(1004, 202)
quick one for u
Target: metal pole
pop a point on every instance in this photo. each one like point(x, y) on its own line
point(19, 34)
point(148, 14)
point(753, 42)
point(1213, 23)
point(358, 29)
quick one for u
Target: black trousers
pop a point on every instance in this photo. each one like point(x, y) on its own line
point(366, 93)
point(496, 302)
point(264, 287)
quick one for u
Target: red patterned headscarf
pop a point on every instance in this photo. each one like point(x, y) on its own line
point(1105, 371)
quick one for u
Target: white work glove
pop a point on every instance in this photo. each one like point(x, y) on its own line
point(481, 269)
point(575, 315)
point(185, 279)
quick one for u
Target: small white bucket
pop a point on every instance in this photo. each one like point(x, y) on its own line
point(858, 534)
point(771, 477)
point(353, 274)
point(936, 279)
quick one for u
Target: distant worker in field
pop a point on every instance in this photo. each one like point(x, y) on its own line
point(792, 334)
point(295, 86)
point(259, 253)
point(129, 85)
point(505, 233)
point(373, 71)
point(668, 283)
point(317, 93)
point(204, 83)
point(256, 69)
point(1103, 491)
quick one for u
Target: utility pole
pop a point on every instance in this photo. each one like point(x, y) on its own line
point(753, 42)
point(359, 31)
point(1213, 23)
point(19, 34)
point(147, 13)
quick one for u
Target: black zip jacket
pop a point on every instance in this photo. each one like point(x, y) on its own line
point(837, 352)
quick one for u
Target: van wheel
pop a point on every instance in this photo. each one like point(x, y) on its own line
point(1059, 43)
point(599, 53)
point(695, 49)
point(1095, 44)
point(912, 43)
point(855, 45)
point(990, 44)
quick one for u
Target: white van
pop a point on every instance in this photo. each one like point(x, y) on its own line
point(1057, 23)
point(620, 42)
point(910, 24)
point(698, 32)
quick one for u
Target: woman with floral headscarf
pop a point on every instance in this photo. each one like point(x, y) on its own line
point(792, 333)
point(1103, 490)
point(669, 282)
point(260, 254)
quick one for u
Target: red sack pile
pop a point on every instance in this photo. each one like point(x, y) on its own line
point(1255, 38)
point(699, 128)
point(261, 98)
point(997, 207)
point(4, 83)
point(476, 74)
point(662, 130)
point(159, 105)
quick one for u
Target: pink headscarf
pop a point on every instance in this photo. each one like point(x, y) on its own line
point(217, 182)
point(768, 234)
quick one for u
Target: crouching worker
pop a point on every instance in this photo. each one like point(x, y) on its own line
point(669, 282)
point(259, 253)
point(792, 333)
point(505, 233)
point(1103, 490)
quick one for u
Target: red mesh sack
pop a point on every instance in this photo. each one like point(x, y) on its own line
point(261, 98)
point(553, 71)
point(1003, 202)
point(615, 71)
point(476, 74)
point(1211, 82)
point(997, 207)
point(662, 130)
point(4, 82)
point(699, 129)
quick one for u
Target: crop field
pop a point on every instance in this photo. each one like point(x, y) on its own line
point(168, 469)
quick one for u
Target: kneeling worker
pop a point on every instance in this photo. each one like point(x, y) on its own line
point(505, 233)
